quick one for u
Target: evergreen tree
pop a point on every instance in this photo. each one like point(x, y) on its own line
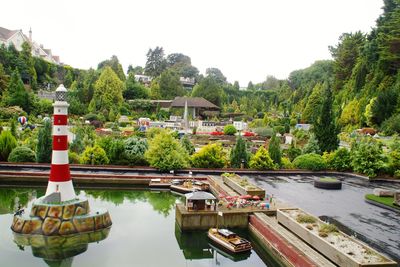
point(325, 129)
point(274, 149)
point(44, 145)
point(240, 154)
point(155, 63)
point(7, 144)
point(13, 127)
point(16, 95)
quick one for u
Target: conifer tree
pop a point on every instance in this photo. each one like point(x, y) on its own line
point(16, 95)
point(44, 146)
point(274, 149)
point(239, 154)
point(325, 129)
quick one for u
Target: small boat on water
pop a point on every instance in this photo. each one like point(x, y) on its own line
point(229, 240)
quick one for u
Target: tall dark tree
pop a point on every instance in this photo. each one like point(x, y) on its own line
point(135, 70)
point(210, 89)
point(325, 129)
point(240, 154)
point(274, 149)
point(44, 145)
point(170, 86)
point(155, 63)
point(134, 89)
point(216, 74)
point(16, 95)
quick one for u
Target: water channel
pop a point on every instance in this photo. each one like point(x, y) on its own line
point(374, 225)
point(143, 234)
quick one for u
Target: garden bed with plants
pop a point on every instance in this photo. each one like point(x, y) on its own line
point(386, 201)
point(242, 185)
point(328, 183)
point(327, 239)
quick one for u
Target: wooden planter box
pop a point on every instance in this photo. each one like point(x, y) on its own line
point(242, 190)
point(324, 247)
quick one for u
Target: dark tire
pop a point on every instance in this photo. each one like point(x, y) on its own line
point(334, 185)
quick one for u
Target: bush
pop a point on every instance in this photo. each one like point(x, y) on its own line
point(44, 145)
point(166, 153)
point(274, 149)
point(91, 117)
point(293, 152)
point(209, 156)
point(311, 161)
point(7, 144)
point(391, 125)
point(187, 144)
point(116, 152)
point(279, 129)
point(73, 158)
point(312, 146)
point(394, 161)
point(261, 160)
point(264, 131)
point(94, 156)
point(338, 160)
point(286, 163)
point(239, 154)
point(135, 149)
point(367, 157)
point(22, 154)
point(229, 129)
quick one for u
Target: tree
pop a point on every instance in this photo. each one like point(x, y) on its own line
point(108, 93)
point(367, 157)
point(325, 129)
point(44, 145)
point(261, 160)
point(274, 149)
point(94, 156)
point(135, 148)
point(114, 64)
point(209, 156)
point(7, 144)
point(134, 89)
point(314, 104)
point(135, 70)
point(178, 58)
point(170, 86)
point(155, 63)
point(187, 144)
point(216, 74)
point(4, 78)
point(351, 113)
point(312, 146)
point(239, 154)
point(21, 154)
point(16, 95)
point(383, 106)
point(166, 153)
point(209, 89)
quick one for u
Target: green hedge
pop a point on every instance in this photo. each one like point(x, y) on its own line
point(310, 161)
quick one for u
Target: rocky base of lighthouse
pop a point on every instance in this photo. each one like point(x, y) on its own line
point(61, 219)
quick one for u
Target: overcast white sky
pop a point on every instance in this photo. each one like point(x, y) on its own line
point(246, 39)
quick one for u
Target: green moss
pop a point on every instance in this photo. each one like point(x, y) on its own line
point(328, 179)
point(326, 229)
point(387, 201)
point(304, 218)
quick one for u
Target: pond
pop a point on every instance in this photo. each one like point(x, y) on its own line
point(143, 234)
point(374, 225)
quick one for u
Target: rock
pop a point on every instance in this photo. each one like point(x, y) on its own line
point(41, 211)
point(397, 198)
point(80, 211)
point(84, 224)
point(55, 211)
point(51, 225)
point(68, 212)
point(32, 227)
point(18, 222)
point(67, 228)
point(380, 192)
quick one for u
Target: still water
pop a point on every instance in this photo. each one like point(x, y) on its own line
point(143, 234)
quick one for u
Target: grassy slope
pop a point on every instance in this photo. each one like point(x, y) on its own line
point(388, 201)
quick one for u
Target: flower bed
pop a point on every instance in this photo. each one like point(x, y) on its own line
point(327, 239)
point(242, 185)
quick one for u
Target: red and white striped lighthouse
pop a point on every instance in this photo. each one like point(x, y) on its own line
point(60, 177)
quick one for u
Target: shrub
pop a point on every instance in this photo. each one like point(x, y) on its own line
point(152, 132)
point(311, 161)
point(367, 157)
point(135, 149)
point(394, 161)
point(279, 129)
point(286, 163)
point(264, 131)
point(312, 146)
point(116, 152)
point(209, 156)
point(338, 160)
point(326, 229)
point(261, 160)
point(304, 218)
point(7, 144)
point(239, 154)
point(187, 144)
point(229, 129)
point(94, 155)
point(274, 149)
point(73, 157)
point(44, 145)
point(22, 154)
point(391, 125)
point(91, 117)
point(293, 152)
point(166, 153)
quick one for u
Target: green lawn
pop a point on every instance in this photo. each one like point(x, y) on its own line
point(328, 179)
point(388, 201)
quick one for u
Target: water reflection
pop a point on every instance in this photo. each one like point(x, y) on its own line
point(10, 199)
point(161, 201)
point(59, 250)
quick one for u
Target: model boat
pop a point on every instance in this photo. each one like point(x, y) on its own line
point(229, 240)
